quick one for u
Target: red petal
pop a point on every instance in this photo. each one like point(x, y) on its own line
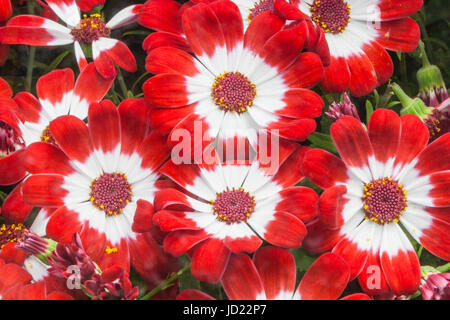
point(203, 30)
point(241, 280)
point(384, 132)
point(166, 90)
point(352, 141)
point(390, 10)
point(381, 61)
point(133, 124)
point(54, 86)
point(285, 230)
point(178, 242)
point(14, 209)
point(104, 126)
point(262, 28)
point(336, 76)
point(63, 224)
point(160, 15)
point(301, 103)
point(72, 136)
point(120, 258)
point(320, 238)
point(149, 259)
point(43, 157)
point(230, 21)
point(44, 190)
point(10, 254)
point(435, 157)
point(399, 35)
point(170, 60)
point(165, 39)
point(332, 204)
point(301, 202)
point(325, 279)
point(277, 270)
point(323, 168)
point(363, 78)
point(143, 217)
point(209, 260)
point(11, 168)
point(29, 106)
point(306, 72)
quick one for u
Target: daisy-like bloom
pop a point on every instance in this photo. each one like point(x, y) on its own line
point(93, 30)
point(388, 181)
point(358, 33)
point(16, 283)
point(271, 275)
point(100, 179)
point(25, 119)
point(225, 208)
point(236, 83)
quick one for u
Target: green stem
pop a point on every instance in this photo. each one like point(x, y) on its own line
point(32, 55)
point(444, 268)
point(165, 284)
point(122, 83)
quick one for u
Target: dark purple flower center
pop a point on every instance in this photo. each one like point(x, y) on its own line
point(111, 192)
point(259, 7)
point(331, 15)
point(232, 91)
point(90, 29)
point(233, 206)
point(46, 136)
point(384, 200)
point(11, 233)
point(8, 139)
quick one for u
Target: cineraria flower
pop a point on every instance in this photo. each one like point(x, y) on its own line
point(358, 34)
point(226, 208)
point(100, 179)
point(38, 31)
point(17, 284)
point(272, 274)
point(388, 182)
point(25, 119)
point(236, 83)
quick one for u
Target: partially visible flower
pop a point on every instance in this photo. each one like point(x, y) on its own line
point(38, 31)
point(113, 284)
point(272, 275)
point(344, 108)
point(432, 89)
point(436, 286)
point(387, 182)
point(16, 283)
point(358, 34)
point(436, 118)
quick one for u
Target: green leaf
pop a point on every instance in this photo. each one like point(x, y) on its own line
point(135, 32)
point(369, 110)
point(323, 140)
point(55, 63)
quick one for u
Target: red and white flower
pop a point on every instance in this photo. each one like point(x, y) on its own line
point(388, 182)
point(236, 83)
point(271, 275)
point(358, 34)
point(39, 31)
point(26, 120)
point(225, 208)
point(100, 179)
point(16, 283)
